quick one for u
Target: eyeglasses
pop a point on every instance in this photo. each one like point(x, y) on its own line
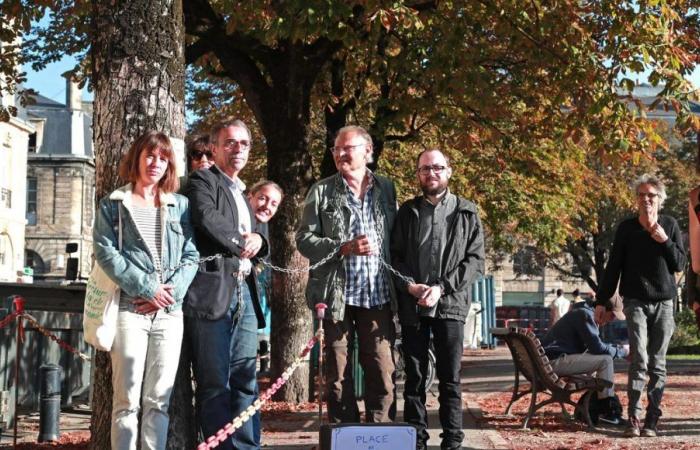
point(346, 148)
point(436, 168)
point(199, 155)
point(649, 195)
point(232, 143)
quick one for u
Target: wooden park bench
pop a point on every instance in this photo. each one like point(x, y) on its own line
point(530, 360)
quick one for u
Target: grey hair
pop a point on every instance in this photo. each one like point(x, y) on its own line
point(362, 133)
point(653, 180)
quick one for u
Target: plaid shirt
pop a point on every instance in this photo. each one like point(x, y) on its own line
point(366, 283)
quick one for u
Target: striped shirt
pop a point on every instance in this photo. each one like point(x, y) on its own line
point(366, 283)
point(147, 221)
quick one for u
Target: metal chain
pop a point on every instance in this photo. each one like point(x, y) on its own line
point(293, 270)
point(190, 263)
point(61, 343)
point(316, 265)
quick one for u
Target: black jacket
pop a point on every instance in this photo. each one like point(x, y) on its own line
point(215, 221)
point(462, 262)
point(576, 332)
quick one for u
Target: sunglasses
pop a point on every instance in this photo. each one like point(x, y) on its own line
point(198, 155)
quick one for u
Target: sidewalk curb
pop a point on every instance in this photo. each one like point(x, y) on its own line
point(492, 435)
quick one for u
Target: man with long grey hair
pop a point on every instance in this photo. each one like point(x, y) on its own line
point(646, 254)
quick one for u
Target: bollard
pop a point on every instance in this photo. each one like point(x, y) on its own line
point(50, 402)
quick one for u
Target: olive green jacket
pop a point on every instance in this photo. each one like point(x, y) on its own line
point(325, 225)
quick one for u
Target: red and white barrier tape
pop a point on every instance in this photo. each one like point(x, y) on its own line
point(230, 428)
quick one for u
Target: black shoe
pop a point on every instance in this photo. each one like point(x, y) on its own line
point(610, 419)
point(650, 422)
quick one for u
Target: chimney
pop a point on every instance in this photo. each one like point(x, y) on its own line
point(74, 95)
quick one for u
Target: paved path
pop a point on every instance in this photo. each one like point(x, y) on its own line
point(484, 372)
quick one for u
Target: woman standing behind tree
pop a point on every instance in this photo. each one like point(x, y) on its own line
point(156, 238)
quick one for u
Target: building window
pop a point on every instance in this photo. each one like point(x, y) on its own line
point(6, 198)
point(31, 201)
point(31, 148)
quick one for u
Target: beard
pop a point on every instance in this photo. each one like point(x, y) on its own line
point(436, 190)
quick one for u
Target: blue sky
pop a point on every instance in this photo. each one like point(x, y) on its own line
point(49, 82)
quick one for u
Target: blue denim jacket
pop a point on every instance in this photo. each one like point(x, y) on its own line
point(131, 267)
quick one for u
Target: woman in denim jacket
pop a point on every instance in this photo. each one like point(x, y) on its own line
point(156, 237)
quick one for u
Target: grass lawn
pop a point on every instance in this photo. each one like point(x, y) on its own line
point(694, 356)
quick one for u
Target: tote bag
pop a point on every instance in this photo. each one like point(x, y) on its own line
point(101, 305)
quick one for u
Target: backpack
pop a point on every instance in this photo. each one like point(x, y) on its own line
point(610, 406)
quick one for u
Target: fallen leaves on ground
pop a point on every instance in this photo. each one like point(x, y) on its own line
point(679, 426)
point(77, 440)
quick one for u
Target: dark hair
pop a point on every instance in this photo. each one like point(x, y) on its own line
point(150, 141)
point(576, 292)
point(216, 129)
point(262, 183)
point(447, 159)
point(560, 292)
point(197, 143)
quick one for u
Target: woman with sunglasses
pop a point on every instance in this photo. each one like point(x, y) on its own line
point(199, 155)
point(142, 237)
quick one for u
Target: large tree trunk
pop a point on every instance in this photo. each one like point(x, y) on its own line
point(138, 77)
point(291, 318)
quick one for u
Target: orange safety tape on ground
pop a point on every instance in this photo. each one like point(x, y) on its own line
point(230, 428)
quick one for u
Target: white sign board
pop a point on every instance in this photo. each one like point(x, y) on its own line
point(373, 438)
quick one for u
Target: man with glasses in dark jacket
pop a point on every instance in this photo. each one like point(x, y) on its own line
point(438, 241)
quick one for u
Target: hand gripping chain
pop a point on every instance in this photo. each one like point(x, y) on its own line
point(220, 436)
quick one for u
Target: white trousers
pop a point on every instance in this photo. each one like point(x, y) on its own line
point(145, 357)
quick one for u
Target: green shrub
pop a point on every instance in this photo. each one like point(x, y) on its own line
point(686, 338)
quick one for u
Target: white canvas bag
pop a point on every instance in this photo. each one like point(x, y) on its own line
point(101, 305)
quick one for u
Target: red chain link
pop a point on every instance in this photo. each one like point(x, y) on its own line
point(7, 320)
point(61, 343)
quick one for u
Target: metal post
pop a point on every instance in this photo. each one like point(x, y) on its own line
point(19, 309)
point(320, 313)
point(50, 402)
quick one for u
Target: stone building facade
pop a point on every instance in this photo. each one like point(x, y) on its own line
point(14, 136)
point(60, 185)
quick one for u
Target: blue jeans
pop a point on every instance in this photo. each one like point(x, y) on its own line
point(650, 327)
point(224, 354)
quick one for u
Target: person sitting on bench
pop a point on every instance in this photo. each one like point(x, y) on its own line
point(574, 347)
